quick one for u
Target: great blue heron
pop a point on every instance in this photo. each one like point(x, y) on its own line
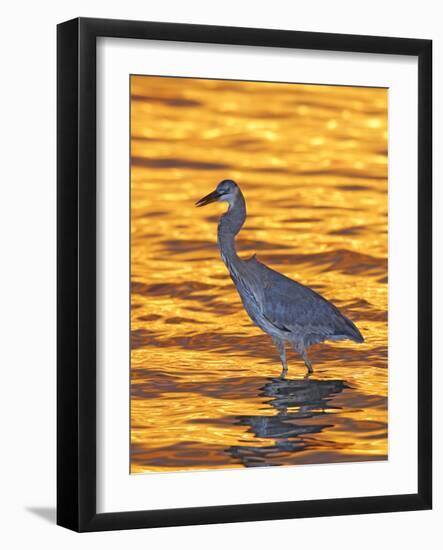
point(286, 310)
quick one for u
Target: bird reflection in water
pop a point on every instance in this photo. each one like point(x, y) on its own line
point(303, 410)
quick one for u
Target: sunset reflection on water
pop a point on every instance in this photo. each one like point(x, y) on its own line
point(312, 164)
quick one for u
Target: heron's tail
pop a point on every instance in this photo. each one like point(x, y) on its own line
point(352, 332)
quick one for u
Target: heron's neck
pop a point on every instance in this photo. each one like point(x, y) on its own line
point(228, 227)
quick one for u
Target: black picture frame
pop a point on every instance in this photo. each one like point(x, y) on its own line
point(76, 265)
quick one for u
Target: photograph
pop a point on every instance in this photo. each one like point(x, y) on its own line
point(222, 321)
point(259, 274)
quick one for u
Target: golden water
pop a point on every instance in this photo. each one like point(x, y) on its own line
point(312, 164)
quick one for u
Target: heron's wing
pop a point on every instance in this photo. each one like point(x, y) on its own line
point(296, 308)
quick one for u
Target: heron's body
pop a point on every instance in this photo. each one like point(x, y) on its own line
point(286, 310)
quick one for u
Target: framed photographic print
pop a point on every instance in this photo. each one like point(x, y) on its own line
point(244, 274)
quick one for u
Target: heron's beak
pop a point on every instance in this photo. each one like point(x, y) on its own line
point(212, 197)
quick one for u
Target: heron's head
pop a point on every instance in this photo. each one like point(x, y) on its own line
point(226, 190)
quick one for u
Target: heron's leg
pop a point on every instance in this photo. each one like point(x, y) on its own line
point(307, 362)
point(280, 345)
point(299, 348)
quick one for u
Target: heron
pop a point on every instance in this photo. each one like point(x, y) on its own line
point(290, 312)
